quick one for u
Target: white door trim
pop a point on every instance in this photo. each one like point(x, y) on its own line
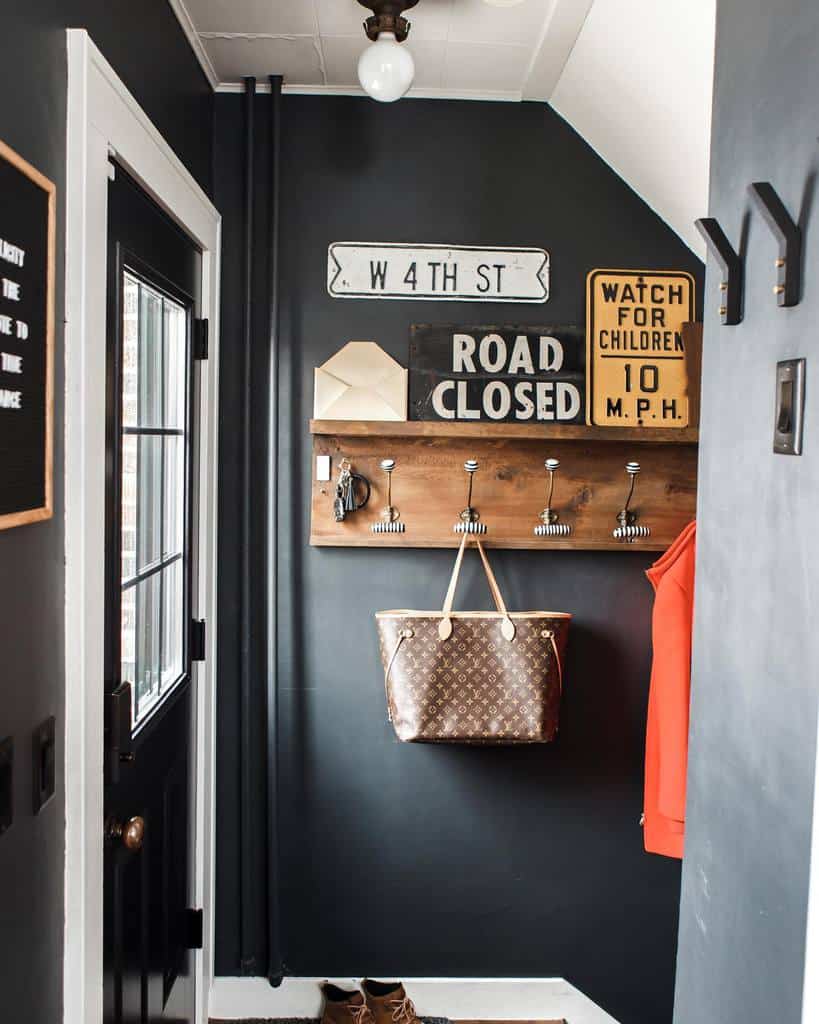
point(104, 118)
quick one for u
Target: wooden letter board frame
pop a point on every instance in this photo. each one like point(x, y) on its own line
point(21, 516)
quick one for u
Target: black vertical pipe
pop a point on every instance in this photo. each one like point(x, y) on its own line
point(275, 966)
point(247, 883)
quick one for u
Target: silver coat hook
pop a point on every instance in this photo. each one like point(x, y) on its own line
point(469, 521)
point(390, 515)
point(549, 525)
point(628, 530)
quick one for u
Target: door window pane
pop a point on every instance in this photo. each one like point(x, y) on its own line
point(172, 617)
point(150, 358)
point(149, 500)
point(174, 473)
point(147, 602)
point(129, 507)
point(176, 336)
point(128, 641)
point(154, 457)
point(130, 351)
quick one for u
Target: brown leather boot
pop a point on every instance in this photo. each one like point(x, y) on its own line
point(389, 1003)
point(342, 1007)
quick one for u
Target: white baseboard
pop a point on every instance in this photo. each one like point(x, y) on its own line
point(528, 999)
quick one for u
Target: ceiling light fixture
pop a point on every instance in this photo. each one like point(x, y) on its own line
point(386, 68)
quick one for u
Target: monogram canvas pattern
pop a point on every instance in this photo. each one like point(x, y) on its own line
point(476, 686)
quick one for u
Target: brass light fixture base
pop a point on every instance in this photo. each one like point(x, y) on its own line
point(387, 17)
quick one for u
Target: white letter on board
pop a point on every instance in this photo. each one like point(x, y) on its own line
point(463, 348)
point(551, 354)
point(438, 400)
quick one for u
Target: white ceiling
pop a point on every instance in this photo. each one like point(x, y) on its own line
point(461, 47)
point(633, 77)
point(638, 87)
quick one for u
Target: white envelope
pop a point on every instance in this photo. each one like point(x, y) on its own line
point(360, 382)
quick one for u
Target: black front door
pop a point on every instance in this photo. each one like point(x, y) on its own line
point(154, 273)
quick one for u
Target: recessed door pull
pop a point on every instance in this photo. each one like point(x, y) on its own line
point(790, 407)
point(628, 530)
point(549, 525)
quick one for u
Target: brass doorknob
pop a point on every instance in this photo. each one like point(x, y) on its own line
point(131, 832)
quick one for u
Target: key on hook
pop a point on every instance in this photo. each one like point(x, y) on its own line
point(346, 499)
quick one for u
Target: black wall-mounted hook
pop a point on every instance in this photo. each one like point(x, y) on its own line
point(788, 235)
point(730, 263)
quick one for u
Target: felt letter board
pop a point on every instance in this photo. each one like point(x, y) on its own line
point(27, 244)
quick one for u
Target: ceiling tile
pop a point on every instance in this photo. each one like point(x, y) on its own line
point(340, 17)
point(476, 21)
point(485, 68)
point(274, 17)
point(341, 55)
point(429, 20)
point(296, 59)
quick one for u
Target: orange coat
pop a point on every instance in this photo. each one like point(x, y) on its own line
point(672, 577)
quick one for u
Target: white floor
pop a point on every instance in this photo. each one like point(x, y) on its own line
point(529, 999)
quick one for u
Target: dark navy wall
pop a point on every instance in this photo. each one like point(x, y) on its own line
point(413, 860)
point(148, 49)
point(756, 645)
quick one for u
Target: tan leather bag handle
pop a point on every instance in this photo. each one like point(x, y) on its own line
point(445, 625)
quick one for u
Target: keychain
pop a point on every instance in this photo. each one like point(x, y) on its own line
point(346, 498)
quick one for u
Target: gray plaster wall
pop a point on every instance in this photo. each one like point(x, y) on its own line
point(411, 860)
point(756, 645)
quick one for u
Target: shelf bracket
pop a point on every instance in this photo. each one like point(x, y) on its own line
point(730, 263)
point(788, 235)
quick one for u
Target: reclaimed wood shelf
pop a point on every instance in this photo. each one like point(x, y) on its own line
point(429, 483)
point(504, 431)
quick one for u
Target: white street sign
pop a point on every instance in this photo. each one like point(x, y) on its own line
point(459, 273)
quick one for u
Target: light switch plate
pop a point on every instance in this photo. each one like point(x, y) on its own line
point(323, 468)
point(790, 407)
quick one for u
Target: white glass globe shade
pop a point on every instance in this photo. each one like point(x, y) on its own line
point(386, 69)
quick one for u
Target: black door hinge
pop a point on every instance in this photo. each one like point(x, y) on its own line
point(200, 339)
point(197, 640)
point(194, 929)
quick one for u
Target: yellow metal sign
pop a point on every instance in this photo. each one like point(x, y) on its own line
point(636, 374)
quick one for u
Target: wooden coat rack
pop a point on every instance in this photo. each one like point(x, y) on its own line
point(428, 485)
